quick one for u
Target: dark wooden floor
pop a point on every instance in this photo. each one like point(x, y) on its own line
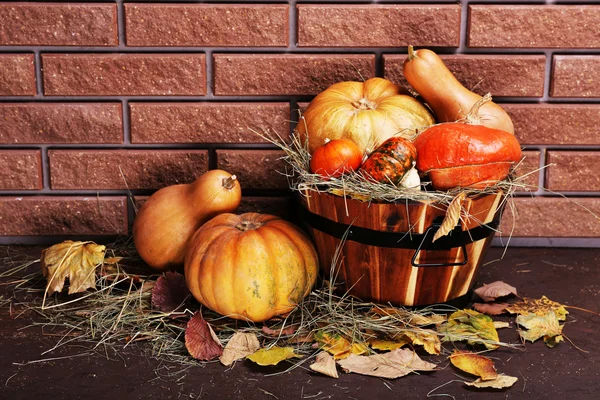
point(569, 276)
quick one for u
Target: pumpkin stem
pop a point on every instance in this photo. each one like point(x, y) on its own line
point(248, 225)
point(229, 183)
point(473, 115)
point(363, 104)
point(412, 54)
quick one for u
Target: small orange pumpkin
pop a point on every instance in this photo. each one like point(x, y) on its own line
point(335, 158)
point(250, 266)
point(391, 161)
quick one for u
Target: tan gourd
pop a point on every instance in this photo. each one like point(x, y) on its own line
point(169, 218)
point(448, 98)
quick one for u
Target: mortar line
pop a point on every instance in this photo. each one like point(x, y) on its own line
point(126, 122)
point(39, 89)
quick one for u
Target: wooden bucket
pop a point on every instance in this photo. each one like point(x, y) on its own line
point(388, 255)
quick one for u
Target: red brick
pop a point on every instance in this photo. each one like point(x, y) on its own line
point(124, 74)
point(575, 76)
point(50, 215)
point(552, 217)
point(542, 123)
point(574, 171)
point(255, 169)
point(287, 74)
point(17, 75)
point(378, 25)
point(279, 206)
point(207, 25)
point(39, 123)
point(141, 169)
point(58, 24)
point(529, 171)
point(207, 122)
point(20, 169)
point(500, 75)
point(534, 26)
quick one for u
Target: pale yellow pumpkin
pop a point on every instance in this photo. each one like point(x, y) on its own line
point(367, 113)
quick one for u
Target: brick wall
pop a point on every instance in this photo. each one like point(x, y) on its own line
point(104, 102)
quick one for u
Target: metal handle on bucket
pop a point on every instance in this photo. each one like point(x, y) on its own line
point(435, 225)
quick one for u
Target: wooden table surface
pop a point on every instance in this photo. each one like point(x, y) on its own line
point(569, 276)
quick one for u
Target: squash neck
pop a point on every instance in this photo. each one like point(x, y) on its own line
point(229, 183)
point(364, 104)
point(248, 226)
point(412, 54)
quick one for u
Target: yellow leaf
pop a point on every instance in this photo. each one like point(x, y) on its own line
point(273, 355)
point(427, 338)
point(500, 382)
point(474, 364)
point(239, 346)
point(76, 261)
point(391, 365)
point(385, 345)
point(112, 260)
point(452, 216)
point(472, 326)
point(339, 346)
point(325, 364)
point(501, 324)
point(546, 326)
point(539, 307)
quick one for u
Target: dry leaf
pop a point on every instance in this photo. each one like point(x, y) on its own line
point(423, 320)
point(239, 346)
point(170, 292)
point(501, 324)
point(290, 330)
point(474, 364)
point(452, 216)
point(494, 290)
point(491, 308)
point(325, 364)
point(502, 381)
point(200, 340)
point(539, 307)
point(112, 260)
point(74, 260)
point(273, 355)
point(390, 365)
point(546, 326)
point(339, 346)
point(386, 345)
point(427, 338)
point(472, 326)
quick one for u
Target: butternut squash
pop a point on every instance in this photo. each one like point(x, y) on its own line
point(448, 98)
point(168, 219)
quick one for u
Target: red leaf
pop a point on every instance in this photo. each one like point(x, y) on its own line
point(491, 308)
point(200, 340)
point(170, 292)
point(278, 332)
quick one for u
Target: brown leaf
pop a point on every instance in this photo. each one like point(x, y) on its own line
point(539, 307)
point(452, 216)
point(76, 261)
point(474, 364)
point(500, 382)
point(200, 340)
point(325, 364)
point(391, 365)
point(239, 346)
point(170, 292)
point(290, 330)
point(491, 308)
point(494, 290)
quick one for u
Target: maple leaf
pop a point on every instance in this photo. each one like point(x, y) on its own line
point(494, 290)
point(239, 346)
point(472, 326)
point(338, 346)
point(325, 364)
point(273, 355)
point(427, 338)
point(170, 292)
point(539, 307)
point(200, 340)
point(546, 326)
point(474, 364)
point(76, 261)
point(491, 308)
point(500, 382)
point(391, 365)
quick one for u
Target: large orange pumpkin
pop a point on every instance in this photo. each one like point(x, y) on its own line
point(366, 113)
point(250, 266)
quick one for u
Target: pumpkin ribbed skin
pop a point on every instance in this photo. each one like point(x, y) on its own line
point(168, 219)
point(250, 266)
point(335, 158)
point(391, 161)
point(366, 113)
